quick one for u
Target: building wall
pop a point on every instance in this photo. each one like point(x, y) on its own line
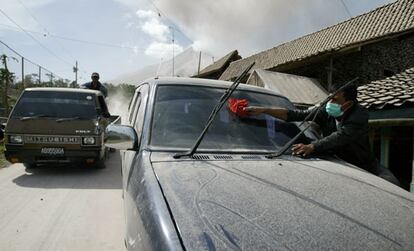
point(370, 62)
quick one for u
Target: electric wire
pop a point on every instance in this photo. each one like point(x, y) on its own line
point(45, 29)
point(30, 35)
point(87, 41)
point(162, 14)
point(346, 8)
point(28, 60)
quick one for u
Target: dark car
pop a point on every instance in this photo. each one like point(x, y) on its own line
point(229, 195)
point(58, 125)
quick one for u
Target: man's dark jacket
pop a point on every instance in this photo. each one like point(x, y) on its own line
point(98, 87)
point(346, 136)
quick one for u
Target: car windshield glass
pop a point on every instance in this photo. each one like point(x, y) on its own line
point(55, 104)
point(180, 114)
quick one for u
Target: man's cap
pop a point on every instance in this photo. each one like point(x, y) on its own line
point(95, 74)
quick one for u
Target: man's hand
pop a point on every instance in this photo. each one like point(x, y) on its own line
point(302, 149)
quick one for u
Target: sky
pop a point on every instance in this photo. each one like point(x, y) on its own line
point(114, 37)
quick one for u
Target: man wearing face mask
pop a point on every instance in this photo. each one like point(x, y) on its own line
point(344, 126)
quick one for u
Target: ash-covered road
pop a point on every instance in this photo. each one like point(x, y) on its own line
point(62, 208)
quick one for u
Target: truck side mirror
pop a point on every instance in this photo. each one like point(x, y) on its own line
point(121, 137)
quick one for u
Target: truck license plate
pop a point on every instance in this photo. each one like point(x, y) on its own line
point(53, 151)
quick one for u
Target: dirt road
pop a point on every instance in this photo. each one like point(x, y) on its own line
point(61, 208)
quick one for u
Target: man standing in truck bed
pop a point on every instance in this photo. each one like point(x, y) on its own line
point(95, 84)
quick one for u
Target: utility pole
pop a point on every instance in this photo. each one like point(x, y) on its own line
point(6, 79)
point(22, 73)
point(199, 63)
point(173, 51)
point(75, 69)
point(40, 75)
point(172, 29)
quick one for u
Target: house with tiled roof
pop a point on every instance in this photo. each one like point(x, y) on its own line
point(371, 46)
point(215, 70)
point(395, 92)
point(390, 102)
point(303, 92)
point(378, 48)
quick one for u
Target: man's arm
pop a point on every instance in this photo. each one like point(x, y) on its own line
point(104, 90)
point(277, 112)
point(344, 135)
point(285, 114)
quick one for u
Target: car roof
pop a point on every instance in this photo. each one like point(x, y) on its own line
point(206, 82)
point(63, 89)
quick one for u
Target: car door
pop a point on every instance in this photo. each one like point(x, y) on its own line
point(136, 120)
point(132, 112)
point(131, 158)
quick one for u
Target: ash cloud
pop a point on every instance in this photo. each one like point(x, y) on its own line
point(250, 25)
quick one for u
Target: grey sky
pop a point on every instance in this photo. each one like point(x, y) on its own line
point(144, 29)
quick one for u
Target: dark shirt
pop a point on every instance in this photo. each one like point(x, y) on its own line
point(98, 87)
point(346, 136)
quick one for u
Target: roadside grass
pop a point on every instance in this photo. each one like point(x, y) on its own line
point(3, 161)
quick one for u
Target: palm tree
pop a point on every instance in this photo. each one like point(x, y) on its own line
point(6, 77)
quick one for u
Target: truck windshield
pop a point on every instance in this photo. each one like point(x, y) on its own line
point(55, 104)
point(180, 114)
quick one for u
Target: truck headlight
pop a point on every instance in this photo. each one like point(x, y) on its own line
point(16, 139)
point(88, 140)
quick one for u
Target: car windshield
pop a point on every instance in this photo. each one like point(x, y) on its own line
point(181, 112)
point(55, 104)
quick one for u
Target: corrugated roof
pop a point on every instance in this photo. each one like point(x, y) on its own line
point(389, 19)
point(298, 89)
point(218, 65)
point(392, 92)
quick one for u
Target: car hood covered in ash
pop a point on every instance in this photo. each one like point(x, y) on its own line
point(283, 204)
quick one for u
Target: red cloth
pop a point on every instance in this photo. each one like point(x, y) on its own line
point(237, 106)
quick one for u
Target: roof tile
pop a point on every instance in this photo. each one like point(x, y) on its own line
point(399, 91)
point(388, 19)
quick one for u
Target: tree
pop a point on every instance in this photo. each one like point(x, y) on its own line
point(6, 77)
point(61, 83)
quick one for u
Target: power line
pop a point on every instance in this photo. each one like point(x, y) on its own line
point(166, 17)
point(44, 28)
point(31, 14)
point(346, 8)
point(28, 60)
point(30, 35)
point(87, 41)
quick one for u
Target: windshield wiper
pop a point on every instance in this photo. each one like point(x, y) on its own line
point(223, 99)
point(67, 119)
point(34, 117)
point(315, 113)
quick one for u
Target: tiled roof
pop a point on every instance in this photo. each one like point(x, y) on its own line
point(389, 19)
point(298, 89)
point(219, 64)
point(392, 92)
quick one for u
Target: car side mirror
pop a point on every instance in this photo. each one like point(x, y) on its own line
point(121, 137)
